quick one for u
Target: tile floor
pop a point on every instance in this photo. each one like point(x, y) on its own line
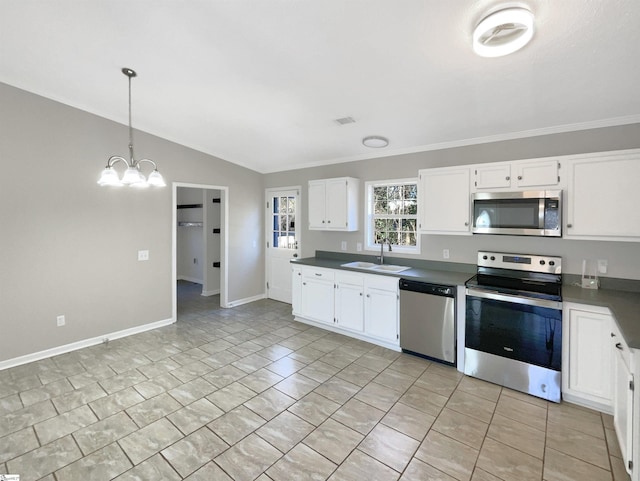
point(247, 393)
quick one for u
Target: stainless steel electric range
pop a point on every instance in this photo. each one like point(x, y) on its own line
point(513, 323)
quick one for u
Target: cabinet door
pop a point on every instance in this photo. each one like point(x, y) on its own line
point(623, 407)
point(444, 203)
point(603, 199)
point(337, 204)
point(350, 306)
point(317, 298)
point(539, 173)
point(317, 207)
point(590, 363)
point(296, 289)
point(381, 314)
point(493, 176)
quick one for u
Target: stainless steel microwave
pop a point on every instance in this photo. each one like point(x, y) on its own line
point(534, 213)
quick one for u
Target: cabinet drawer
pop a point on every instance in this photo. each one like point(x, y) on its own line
point(318, 272)
point(382, 282)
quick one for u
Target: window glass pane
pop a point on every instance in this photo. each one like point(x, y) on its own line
point(379, 193)
point(380, 207)
point(409, 225)
point(411, 207)
point(292, 205)
point(283, 205)
point(292, 222)
point(411, 191)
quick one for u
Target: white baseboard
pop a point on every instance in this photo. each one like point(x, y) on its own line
point(210, 293)
point(246, 300)
point(74, 346)
point(190, 279)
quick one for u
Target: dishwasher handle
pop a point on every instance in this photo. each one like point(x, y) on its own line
point(426, 288)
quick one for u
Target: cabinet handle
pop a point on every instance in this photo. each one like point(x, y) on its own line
point(319, 275)
point(619, 346)
point(613, 335)
point(304, 283)
point(323, 222)
point(466, 224)
point(507, 178)
point(328, 222)
point(368, 295)
point(519, 177)
point(569, 226)
point(361, 294)
point(299, 273)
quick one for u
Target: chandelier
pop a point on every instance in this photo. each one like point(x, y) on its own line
point(132, 175)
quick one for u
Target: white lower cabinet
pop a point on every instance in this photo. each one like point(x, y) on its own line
point(316, 294)
point(296, 289)
point(364, 306)
point(381, 309)
point(623, 397)
point(587, 366)
point(349, 307)
point(598, 371)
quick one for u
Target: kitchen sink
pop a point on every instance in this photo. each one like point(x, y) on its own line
point(360, 265)
point(370, 266)
point(389, 268)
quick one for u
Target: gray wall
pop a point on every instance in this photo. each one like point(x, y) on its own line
point(69, 246)
point(623, 257)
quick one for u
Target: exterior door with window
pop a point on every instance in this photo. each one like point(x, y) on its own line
point(283, 240)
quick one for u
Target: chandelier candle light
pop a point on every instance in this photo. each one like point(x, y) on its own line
point(132, 175)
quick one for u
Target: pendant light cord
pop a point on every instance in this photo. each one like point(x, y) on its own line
point(130, 128)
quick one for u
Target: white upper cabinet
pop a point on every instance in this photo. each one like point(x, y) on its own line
point(492, 176)
point(443, 201)
point(333, 204)
point(603, 197)
point(538, 173)
point(519, 175)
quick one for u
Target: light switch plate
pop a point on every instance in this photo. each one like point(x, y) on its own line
point(143, 255)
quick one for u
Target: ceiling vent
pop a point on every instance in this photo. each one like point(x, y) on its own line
point(345, 120)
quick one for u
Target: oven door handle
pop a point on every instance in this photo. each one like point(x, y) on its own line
point(500, 296)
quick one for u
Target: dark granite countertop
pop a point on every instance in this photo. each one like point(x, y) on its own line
point(624, 305)
point(447, 278)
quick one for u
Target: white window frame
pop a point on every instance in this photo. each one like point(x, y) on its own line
point(369, 228)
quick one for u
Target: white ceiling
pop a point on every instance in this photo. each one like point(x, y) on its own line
point(261, 82)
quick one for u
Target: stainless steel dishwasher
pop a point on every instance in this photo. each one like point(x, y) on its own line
point(428, 320)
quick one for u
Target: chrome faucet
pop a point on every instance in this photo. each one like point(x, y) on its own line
point(382, 249)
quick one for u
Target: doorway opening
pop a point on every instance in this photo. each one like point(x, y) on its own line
point(200, 237)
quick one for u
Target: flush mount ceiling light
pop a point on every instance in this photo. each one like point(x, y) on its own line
point(375, 141)
point(503, 32)
point(132, 175)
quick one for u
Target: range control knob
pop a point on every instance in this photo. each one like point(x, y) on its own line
point(552, 263)
point(484, 258)
point(542, 262)
point(493, 258)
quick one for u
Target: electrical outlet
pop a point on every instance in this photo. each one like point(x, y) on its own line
point(143, 255)
point(445, 253)
point(195, 261)
point(359, 246)
point(603, 265)
point(343, 245)
point(60, 321)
